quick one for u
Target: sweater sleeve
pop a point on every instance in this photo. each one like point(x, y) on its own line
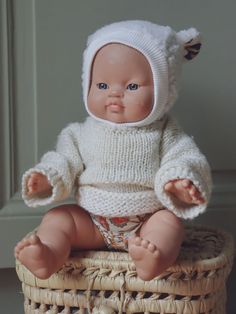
point(181, 159)
point(61, 167)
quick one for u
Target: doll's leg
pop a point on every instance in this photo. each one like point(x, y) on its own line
point(158, 244)
point(61, 229)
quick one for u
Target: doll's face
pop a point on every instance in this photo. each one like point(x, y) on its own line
point(121, 89)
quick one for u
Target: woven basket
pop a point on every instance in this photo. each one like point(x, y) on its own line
point(105, 282)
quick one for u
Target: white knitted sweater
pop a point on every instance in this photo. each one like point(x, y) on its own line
point(122, 171)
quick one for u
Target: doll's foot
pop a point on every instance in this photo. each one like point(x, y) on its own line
point(36, 256)
point(145, 256)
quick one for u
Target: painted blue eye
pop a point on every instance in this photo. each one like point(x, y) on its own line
point(133, 86)
point(102, 86)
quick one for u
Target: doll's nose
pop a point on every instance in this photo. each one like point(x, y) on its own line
point(116, 92)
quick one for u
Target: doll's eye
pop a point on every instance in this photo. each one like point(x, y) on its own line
point(102, 86)
point(132, 86)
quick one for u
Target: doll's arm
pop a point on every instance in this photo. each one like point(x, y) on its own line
point(180, 159)
point(58, 168)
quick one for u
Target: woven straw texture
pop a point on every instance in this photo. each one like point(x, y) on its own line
point(104, 282)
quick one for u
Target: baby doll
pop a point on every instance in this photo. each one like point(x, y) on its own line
point(135, 172)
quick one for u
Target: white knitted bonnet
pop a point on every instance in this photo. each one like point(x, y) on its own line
point(164, 49)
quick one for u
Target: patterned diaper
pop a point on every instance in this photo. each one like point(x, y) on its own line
point(117, 230)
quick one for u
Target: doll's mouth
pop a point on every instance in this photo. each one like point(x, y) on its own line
point(115, 106)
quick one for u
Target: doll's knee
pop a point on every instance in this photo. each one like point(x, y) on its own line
point(61, 216)
point(58, 211)
point(167, 217)
point(64, 210)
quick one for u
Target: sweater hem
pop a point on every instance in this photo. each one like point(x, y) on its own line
point(112, 204)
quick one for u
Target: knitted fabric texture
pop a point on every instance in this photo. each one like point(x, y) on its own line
point(122, 171)
point(163, 48)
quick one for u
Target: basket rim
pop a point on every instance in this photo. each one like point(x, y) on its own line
point(98, 257)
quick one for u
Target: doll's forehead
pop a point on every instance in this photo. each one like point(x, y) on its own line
point(118, 52)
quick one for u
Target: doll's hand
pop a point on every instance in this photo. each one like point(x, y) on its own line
point(38, 185)
point(185, 191)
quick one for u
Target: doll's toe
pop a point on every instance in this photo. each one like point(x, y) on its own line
point(145, 243)
point(24, 242)
point(156, 254)
point(151, 247)
point(34, 239)
point(137, 241)
point(16, 251)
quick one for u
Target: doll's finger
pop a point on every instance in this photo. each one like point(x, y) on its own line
point(191, 194)
point(169, 186)
point(30, 192)
point(36, 177)
point(198, 199)
point(182, 186)
point(32, 179)
point(29, 187)
point(29, 182)
point(196, 194)
point(186, 183)
point(193, 191)
point(197, 202)
point(32, 186)
point(201, 200)
point(33, 175)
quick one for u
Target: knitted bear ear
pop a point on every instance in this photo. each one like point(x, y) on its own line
point(191, 43)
